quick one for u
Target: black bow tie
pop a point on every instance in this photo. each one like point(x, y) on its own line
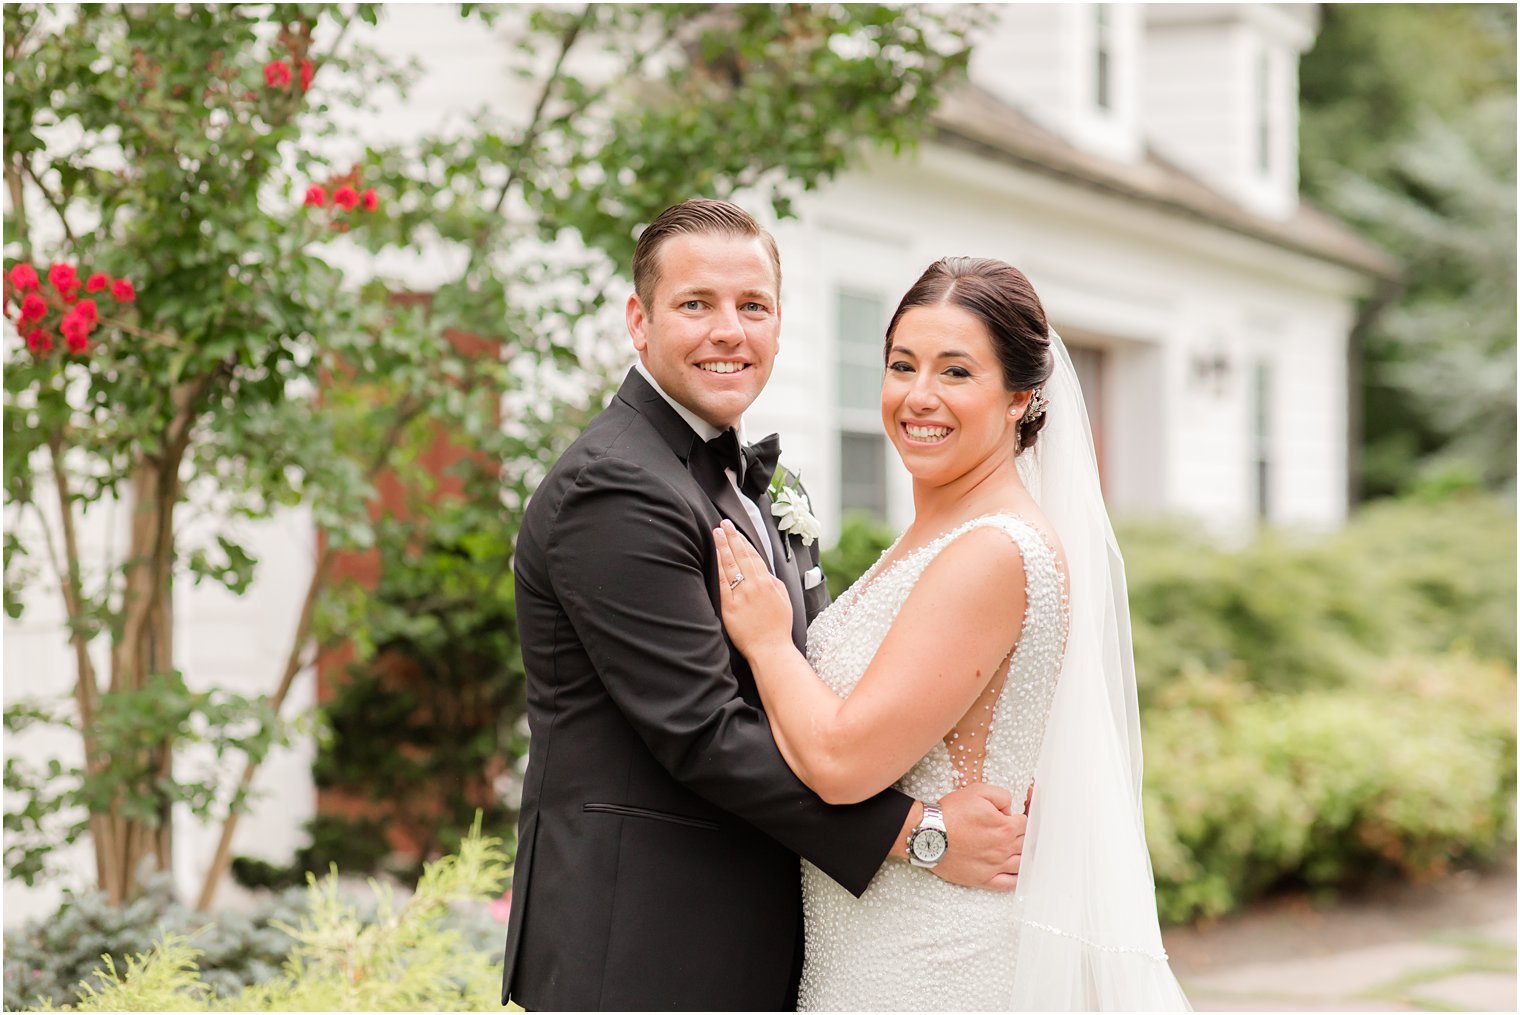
point(755, 463)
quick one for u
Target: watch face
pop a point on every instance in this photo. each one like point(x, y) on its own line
point(929, 844)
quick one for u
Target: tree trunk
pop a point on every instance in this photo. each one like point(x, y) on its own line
point(145, 651)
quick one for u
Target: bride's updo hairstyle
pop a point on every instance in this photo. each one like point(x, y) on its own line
point(1000, 296)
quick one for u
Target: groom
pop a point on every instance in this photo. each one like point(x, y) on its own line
point(660, 829)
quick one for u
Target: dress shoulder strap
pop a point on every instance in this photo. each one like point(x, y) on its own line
point(1042, 569)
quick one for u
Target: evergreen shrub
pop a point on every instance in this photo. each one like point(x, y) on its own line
point(862, 540)
point(1315, 710)
point(422, 954)
point(1296, 614)
point(46, 959)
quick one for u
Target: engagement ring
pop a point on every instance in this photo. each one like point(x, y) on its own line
point(735, 583)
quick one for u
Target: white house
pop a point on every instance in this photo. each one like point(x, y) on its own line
point(1138, 162)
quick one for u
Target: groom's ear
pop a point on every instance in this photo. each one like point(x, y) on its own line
point(638, 321)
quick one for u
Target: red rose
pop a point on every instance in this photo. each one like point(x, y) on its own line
point(122, 291)
point(33, 308)
point(78, 342)
point(370, 199)
point(277, 74)
point(24, 276)
point(96, 282)
point(316, 197)
point(308, 71)
point(87, 310)
point(63, 277)
point(346, 197)
point(74, 327)
point(39, 342)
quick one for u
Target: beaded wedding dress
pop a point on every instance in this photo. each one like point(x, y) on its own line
point(914, 942)
point(1080, 933)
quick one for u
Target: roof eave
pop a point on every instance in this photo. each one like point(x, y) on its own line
point(1370, 261)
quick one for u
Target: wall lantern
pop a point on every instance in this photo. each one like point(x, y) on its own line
point(1211, 371)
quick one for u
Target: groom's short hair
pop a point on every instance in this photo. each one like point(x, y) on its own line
point(698, 215)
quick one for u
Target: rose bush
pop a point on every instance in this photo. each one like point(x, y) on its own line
point(196, 149)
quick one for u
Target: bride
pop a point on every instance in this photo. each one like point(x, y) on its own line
point(990, 643)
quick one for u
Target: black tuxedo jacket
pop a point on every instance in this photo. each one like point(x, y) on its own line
point(660, 829)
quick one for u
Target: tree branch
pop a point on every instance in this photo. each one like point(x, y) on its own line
point(86, 689)
point(102, 836)
point(18, 206)
point(167, 341)
point(47, 195)
point(535, 127)
point(187, 408)
point(222, 858)
point(105, 830)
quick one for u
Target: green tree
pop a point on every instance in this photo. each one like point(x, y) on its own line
point(1408, 130)
point(627, 109)
point(177, 145)
point(171, 146)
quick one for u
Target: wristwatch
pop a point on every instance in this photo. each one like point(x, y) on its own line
point(927, 843)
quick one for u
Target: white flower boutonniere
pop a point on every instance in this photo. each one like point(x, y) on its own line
point(794, 515)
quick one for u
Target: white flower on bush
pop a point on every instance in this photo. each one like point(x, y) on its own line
point(794, 515)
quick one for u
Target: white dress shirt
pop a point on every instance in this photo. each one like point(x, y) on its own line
point(707, 432)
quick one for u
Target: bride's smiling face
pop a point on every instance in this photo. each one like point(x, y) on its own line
point(943, 402)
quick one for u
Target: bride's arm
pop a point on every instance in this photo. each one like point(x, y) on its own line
point(956, 628)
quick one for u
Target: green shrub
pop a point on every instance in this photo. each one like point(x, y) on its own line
point(1408, 772)
point(1285, 615)
point(862, 540)
point(424, 729)
point(45, 960)
point(407, 957)
point(352, 845)
point(1292, 614)
point(1269, 610)
point(1455, 563)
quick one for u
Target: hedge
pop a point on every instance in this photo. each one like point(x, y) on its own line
point(1316, 709)
point(1406, 774)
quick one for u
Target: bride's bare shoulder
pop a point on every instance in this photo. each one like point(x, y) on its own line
point(979, 562)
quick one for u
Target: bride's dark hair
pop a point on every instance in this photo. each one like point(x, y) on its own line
point(1000, 296)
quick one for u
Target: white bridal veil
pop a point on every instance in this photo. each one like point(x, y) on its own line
point(1089, 937)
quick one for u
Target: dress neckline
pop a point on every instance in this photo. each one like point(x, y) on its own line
point(873, 573)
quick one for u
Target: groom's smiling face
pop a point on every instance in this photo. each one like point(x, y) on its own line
point(710, 330)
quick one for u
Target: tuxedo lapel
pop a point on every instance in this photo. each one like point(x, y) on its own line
point(786, 570)
point(646, 401)
point(710, 476)
point(708, 472)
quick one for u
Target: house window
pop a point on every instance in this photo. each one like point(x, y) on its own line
point(863, 472)
point(861, 328)
point(1103, 57)
point(1264, 111)
point(860, 325)
point(1261, 436)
